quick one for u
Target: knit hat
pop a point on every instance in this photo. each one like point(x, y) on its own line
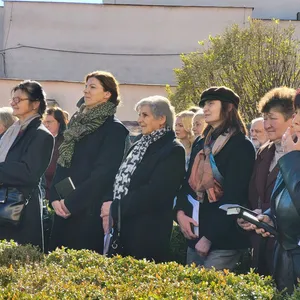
point(221, 93)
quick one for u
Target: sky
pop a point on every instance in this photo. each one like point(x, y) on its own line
point(71, 1)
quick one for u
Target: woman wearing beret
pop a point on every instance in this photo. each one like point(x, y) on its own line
point(147, 183)
point(90, 155)
point(219, 174)
point(25, 152)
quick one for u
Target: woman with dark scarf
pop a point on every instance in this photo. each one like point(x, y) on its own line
point(219, 174)
point(90, 155)
point(147, 182)
point(25, 153)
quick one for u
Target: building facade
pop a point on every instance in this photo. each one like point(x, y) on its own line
point(58, 43)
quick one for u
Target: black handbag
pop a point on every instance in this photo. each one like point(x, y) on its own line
point(12, 204)
point(115, 246)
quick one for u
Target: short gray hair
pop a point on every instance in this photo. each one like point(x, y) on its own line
point(256, 120)
point(6, 117)
point(160, 106)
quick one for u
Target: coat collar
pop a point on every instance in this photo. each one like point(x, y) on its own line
point(157, 145)
point(35, 123)
point(264, 178)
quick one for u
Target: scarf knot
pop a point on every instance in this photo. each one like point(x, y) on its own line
point(82, 124)
point(202, 179)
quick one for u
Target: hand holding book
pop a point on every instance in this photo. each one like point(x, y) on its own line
point(260, 223)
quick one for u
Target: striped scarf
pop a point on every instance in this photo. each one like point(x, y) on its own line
point(81, 124)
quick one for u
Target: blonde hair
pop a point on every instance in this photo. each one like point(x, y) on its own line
point(187, 122)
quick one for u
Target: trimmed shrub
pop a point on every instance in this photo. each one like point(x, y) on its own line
point(178, 245)
point(70, 274)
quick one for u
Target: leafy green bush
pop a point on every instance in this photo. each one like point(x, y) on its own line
point(12, 254)
point(70, 274)
point(178, 245)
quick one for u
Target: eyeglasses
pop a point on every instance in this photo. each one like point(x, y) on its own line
point(17, 100)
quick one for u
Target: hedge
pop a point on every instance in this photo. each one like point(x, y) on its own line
point(71, 274)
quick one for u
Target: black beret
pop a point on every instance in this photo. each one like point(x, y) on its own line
point(221, 93)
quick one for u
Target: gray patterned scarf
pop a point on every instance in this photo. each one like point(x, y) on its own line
point(127, 168)
point(80, 125)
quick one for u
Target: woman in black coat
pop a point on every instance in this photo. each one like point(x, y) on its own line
point(25, 153)
point(220, 175)
point(90, 155)
point(147, 182)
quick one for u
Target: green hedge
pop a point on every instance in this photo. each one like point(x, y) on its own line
point(70, 274)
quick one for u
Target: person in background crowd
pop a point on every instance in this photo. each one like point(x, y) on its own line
point(258, 133)
point(193, 207)
point(147, 183)
point(219, 174)
point(25, 153)
point(6, 119)
point(284, 213)
point(277, 109)
point(183, 130)
point(198, 123)
point(90, 155)
point(56, 122)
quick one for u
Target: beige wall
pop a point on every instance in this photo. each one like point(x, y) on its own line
point(2, 42)
point(68, 93)
point(107, 29)
point(281, 9)
point(288, 23)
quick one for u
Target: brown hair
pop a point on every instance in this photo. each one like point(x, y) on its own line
point(280, 99)
point(60, 116)
point(109, 83)
point(231, 119)
point(297, 100)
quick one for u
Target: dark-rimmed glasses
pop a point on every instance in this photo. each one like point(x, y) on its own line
point(17, 100)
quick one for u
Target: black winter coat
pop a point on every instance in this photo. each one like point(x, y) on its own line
point(285, 213)
point(146, 211)
point(26, 162)
point(235, 163)
point(94, 165)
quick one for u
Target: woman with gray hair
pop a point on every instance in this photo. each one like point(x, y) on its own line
point(146, 184)
point(6, 119)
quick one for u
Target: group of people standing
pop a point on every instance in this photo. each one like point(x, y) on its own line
point(207, 161)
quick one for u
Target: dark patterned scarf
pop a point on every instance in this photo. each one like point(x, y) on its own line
point(81, 124)
point(131, 162)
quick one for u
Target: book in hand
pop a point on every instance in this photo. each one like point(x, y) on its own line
point(65, 187)
point(248, 215)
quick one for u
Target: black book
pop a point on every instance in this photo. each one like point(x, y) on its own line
point(65, 187)
point(248, 215)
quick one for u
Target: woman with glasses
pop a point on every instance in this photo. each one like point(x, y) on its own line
point(25, 152)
